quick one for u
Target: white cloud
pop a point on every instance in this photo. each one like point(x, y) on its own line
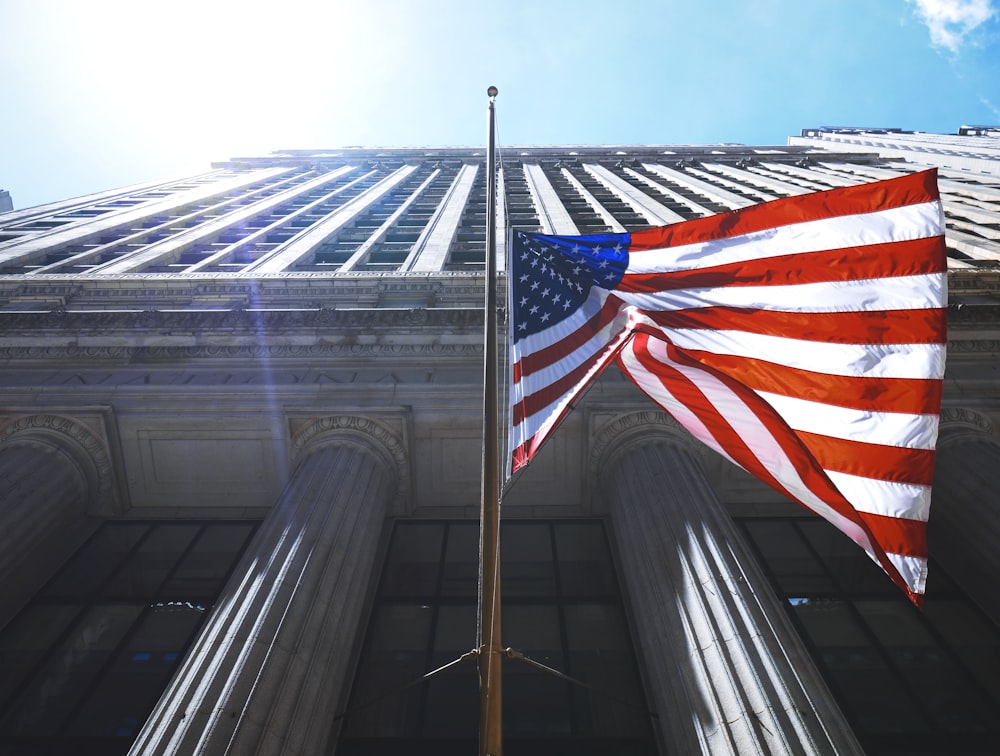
point(950, 21)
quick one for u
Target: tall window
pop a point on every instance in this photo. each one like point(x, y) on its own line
point(561, 607)
point(83, 664)
point(911, 681)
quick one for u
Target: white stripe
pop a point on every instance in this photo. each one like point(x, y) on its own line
point(897, 224)
point(545, 417)
point(751, 430)
point(852, 360)
point(863, 295)
point(884, 497)
point(680, 411)
point(579, 356)
point(908, 431)
point(913, 569)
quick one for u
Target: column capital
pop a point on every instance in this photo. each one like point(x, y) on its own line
point(374, 435)
point(964, 424)
point(86, 446)
point(632, 430)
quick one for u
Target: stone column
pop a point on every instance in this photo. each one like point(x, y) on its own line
point(46, 491)
point(964, 525)
point(268, 671)
point(725, 668)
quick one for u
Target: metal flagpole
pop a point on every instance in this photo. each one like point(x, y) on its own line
point(488, 642)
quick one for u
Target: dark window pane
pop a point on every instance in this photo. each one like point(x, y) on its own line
point(930, 673)
point(441, 714)
point(128, 691)
point(204, 569)
point(527, 567)
point(144, 572)
point(972, 640)
point(452, 708)
point(87, 571)
point(396, 654)
point(460, 575)
point(876, 698)
point(584, 561)
point(792, 563)
point(70, 671)
point(28, 638)
point(535, 701)
point(853, 570)
point(600, 655)
point(414, 560)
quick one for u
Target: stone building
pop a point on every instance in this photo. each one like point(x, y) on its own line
point(240, 457)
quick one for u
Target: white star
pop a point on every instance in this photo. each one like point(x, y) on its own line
point(545, 316)
point(534, 309)
point(534, 285)
point(545, 292)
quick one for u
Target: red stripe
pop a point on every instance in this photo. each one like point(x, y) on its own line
point(913, 189)
point(550, 392)
point(902, 258)
point(919, 396)
point(535, 361)
point(892, 463)
point(804, 463)
point(928, 326)
point(690, 394)
point(898, 535)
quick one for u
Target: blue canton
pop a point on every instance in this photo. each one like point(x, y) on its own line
point(551, 276)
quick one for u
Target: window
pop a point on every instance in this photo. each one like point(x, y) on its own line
point(910, 681)
point(86, 660)
point(561, 607)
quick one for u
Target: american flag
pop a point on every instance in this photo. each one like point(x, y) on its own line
point(803, 339)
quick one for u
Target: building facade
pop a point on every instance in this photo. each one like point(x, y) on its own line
point(240, 450)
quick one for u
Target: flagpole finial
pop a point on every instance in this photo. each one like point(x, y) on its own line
point(492, 91)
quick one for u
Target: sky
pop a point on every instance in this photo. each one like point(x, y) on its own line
point(96, 94)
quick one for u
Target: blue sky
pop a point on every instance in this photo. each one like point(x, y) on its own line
point(102, 93)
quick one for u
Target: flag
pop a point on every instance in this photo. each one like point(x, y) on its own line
point(803, 339)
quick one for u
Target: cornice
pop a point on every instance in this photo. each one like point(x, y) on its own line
point(167, 354)
point(62, 320)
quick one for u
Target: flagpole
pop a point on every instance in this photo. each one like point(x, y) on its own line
point(489, 646)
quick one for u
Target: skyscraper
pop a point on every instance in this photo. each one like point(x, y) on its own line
point(240, 445)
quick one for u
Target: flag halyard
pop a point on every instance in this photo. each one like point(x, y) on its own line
point(803, 339)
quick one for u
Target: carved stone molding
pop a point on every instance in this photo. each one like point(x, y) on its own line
point(626, 432)
point(356, 431)
point(964, 424)
point(240, 352)
point(252, 320)
point(86, 449)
